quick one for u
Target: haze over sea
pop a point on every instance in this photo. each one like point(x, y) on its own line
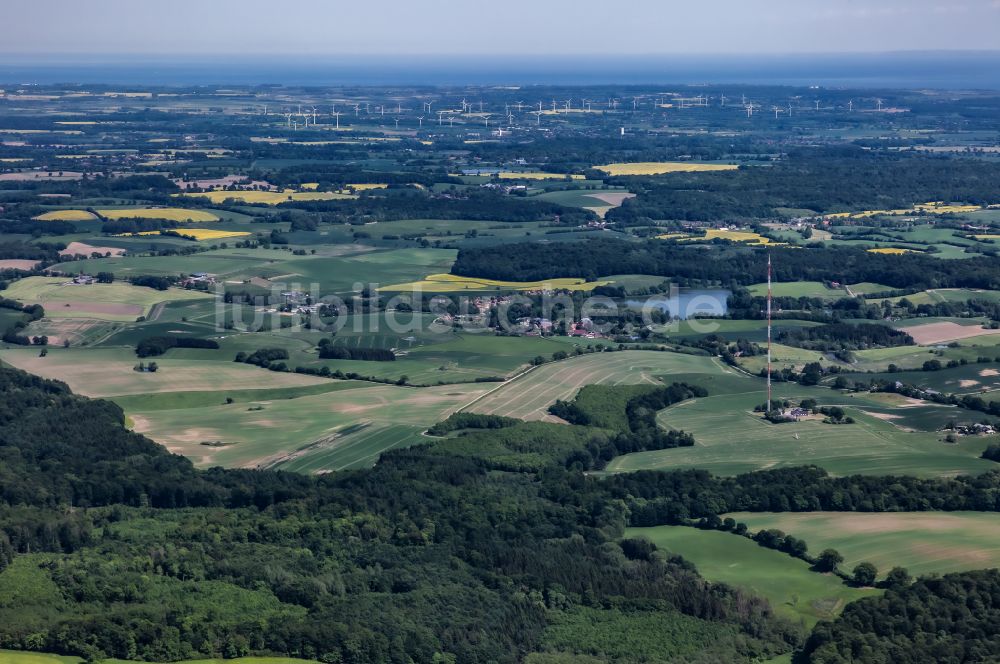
point(941, 69)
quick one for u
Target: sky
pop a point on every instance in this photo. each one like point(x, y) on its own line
point(50, 28)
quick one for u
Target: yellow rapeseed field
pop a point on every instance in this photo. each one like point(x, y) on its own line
point(734, 236)
point(935, 207)
point(661, 167)
point(890, 250)
point(66, 215)
point(367, 187)
point(173, 214)
point(452, 283)
point(201, 234)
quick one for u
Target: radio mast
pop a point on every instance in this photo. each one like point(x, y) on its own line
point(768, 407)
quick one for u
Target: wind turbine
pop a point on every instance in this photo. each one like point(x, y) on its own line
point(776, 111)
point(850, 106)
point(314, 116)
point(440, 118)
point(723, 100)
point(288, 120)
point(538, 117)
point(487, 118)
point(397, 123)
point(635, 103)
point(421, 121)
point(817, 104)
point(878, 104)
point(357, 109)
point(569, 104)
point(337, 116)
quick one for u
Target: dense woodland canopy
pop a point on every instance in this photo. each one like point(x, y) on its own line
point(723, 263)
point(950, 619)
point(356, 567)
point(837, 179)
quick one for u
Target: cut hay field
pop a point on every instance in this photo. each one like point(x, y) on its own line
point(17, 264)
point(346, 428)
point(76, 331)
point(794, 591)
point(104, 372)
point(731, 439)
point(268, 197)
point(944, 331)
point(84, 249)
point(922, 542)
point(172, 214)
point(662, 167)
point(529, 396)
point(118, 301)
point(450, 283)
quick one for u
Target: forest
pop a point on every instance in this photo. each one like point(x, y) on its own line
point(724, 264)
point(825, 181)
point(941, 619)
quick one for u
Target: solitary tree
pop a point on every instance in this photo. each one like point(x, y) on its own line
point(828, 560)
point(864, 574)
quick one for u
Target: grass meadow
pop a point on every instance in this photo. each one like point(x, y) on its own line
point(922, 542)
point(731, 439)
point(794, 591)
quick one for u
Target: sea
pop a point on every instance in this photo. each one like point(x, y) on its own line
point(945, 70)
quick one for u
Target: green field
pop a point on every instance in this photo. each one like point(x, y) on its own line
point(111, 302)
point(752, 330)
point(787, 583)
point(103, 372)
point(815, 289)
point(922, 542)
point(333, 430)
point(529, 396)
point(782, 356)
point(731, 439)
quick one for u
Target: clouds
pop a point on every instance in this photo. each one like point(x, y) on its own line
point(513, 27)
